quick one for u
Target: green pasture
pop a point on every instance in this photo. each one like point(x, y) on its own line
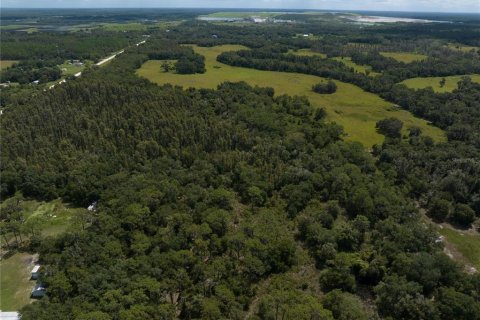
point(451, 82)
point(461, 47)
point(357, 67)
point(406, 57)
point(356, 110)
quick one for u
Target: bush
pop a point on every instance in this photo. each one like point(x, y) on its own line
point(462, 215)
point(439, 209)
point(390, 127)
point(325, 88)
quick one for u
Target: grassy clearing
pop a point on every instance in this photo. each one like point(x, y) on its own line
point(52, 217)
point(70, 69)
point(243, 14)
point(357, 67)
point(131, 26)
point(461, 47)
point(29, 30)
point(308, 53)
point(356, 110)
point(15, 283)
point(6, 63)
point(467, 244)
point(451, 82)
point(405, 57)
point(14, 27)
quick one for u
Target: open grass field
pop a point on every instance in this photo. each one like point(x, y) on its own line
point(461, 47)
point(131, 26)
point(52, 217)
point(467, 244)
point(29, 30)
point(243, 14)
point(405, 57)
point(308, 53)
point(451, 82)
point(15, 283)
point(357, 67)
point(6, 63)
point(356, 110)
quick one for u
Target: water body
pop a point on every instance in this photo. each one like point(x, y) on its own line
point(380, 19)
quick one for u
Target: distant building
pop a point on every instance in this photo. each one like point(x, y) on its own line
point(35, 272)
point(36, 82)
point(9, 315)
point(38, 291)
point(214, 36)
point(259, 20)
point(306, 35)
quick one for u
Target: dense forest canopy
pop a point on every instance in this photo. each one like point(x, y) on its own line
point(238, 202)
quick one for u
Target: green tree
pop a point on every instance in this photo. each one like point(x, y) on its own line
point(403, 300)
point(345, 306)
point(462, 214)
point(390, 127)
point(439, 209)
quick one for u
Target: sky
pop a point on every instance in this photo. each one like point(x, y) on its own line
point(472, 6)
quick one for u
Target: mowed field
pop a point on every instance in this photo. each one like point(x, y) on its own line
point(15, 281)
point(6, 63)
point(451, 82)
point(405, 57)
point(356, 110)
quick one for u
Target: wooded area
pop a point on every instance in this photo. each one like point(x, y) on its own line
point(238, 202)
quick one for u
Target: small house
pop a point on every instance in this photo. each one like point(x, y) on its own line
point(35, 272)
point(36, 82)
point(38, 291)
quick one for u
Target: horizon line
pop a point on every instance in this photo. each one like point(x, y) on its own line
point(232, 8)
